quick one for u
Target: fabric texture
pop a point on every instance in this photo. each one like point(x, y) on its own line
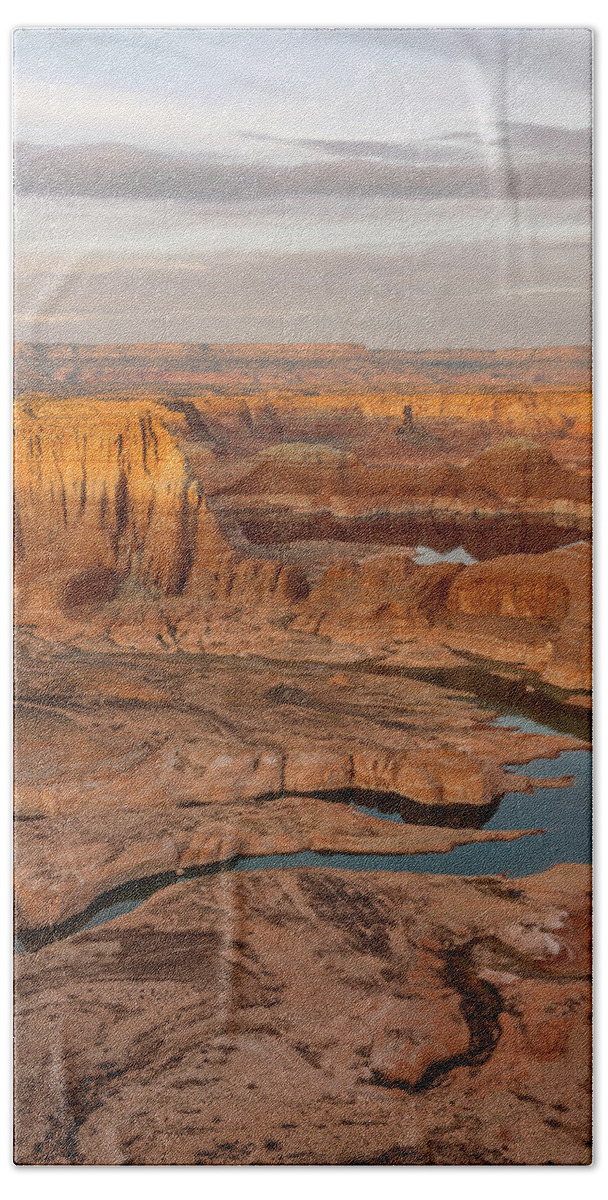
point(303, 612)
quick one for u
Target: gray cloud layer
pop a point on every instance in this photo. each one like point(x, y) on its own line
point(473, 295)
point(125, 171)
point(545, 142)
point(416, 188)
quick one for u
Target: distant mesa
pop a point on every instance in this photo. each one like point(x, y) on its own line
point(175, 369)
point(519, 467)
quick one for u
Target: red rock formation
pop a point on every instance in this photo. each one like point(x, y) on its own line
point(514, 469)
point(413, 1019)
point(520, 469)
point(180, 369)
point(105, 497)
point(386, 592)
point(103, 485)
point(293, 468)
point(129, 765)
point(543, 598)
point(114, 537)
point(510, 587)
point(314, 1016)
point(530, 609)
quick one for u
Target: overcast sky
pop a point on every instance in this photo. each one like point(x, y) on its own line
point(412, 188)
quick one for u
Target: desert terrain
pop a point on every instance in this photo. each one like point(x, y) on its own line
point(302, 795)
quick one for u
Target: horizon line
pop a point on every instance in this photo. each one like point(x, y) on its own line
point(321, 345)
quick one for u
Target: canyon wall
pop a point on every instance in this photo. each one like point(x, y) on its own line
point(175, 369)
point(115, 539)
point(514, 469)
point(104, 486)
point(104, 498)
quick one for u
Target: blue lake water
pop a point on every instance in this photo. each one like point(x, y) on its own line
point(565, 814)
point(425, 556)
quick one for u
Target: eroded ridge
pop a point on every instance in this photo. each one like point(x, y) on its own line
point(315, 1016)
point(127, 536)
point(192, 761)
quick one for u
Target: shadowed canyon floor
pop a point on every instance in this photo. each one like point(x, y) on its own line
point(266, 629)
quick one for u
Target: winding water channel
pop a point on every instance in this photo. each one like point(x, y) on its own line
point(563, 813)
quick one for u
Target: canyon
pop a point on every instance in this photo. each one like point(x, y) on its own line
point(264, 634)
point(310, 1016)
point(337, 367)
point(118, 543)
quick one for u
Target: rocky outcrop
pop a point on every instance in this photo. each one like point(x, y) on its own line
point(104, 485)
point(386, 593)
point(117, 545)
point(158, 763)
point(314, 1016)
point(525, 411)
point(520, 469)
point(296, 468)
point(529, 609)
point(104, 499)
point(534, 608)
point(514, 472)
point(511, 587)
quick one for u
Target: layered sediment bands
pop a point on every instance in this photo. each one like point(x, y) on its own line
point(520, 469)
point(235, 584)
point(402, 1001)
point(196, 759)
point(515, 472)
point(512, 497)
point(104, 498)
point(116, 546)
point(104, 486)
point(537, 606)
point(388, 593)
point(529, 610)
point(339, 368)
point(316, 539)
point(524, 412)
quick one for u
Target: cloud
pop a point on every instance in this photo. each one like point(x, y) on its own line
point(482, 295)
point(183, 89)
point(546, 142)
point(122, 171)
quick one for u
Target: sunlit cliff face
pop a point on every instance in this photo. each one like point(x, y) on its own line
point(110, 514)
point(103, 486)
point(104, 496)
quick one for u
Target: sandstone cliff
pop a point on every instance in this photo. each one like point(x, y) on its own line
point(514, 469)
point(385, 593)
point(105, 498)
point(532, 610)
point(115, 541)
point(103, 485)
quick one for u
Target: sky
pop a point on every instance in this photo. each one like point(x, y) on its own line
point(410, 188)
